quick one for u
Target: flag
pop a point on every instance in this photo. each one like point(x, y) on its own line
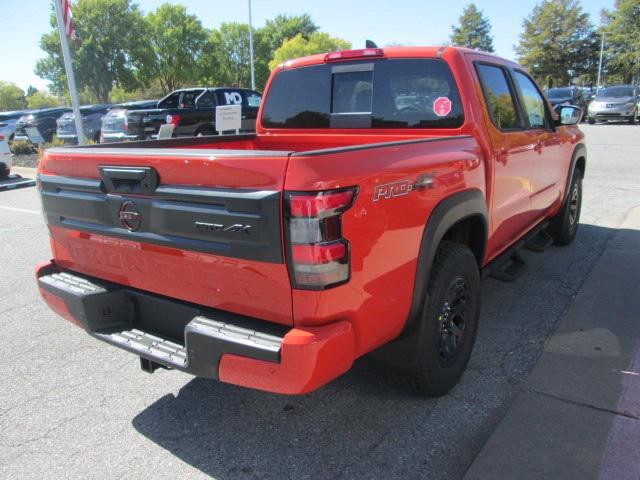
point(68, 19)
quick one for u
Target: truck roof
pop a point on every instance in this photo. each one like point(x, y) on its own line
point(390, 52)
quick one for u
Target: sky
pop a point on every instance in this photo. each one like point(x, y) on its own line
point(405, 22)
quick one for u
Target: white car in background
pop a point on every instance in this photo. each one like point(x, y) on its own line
point(8, 123)
point(6, 158)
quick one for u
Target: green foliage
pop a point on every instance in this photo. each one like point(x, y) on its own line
point(622, 39)
point(11, 96)
point(42, 100)
point(299, 46)
point(226, 61)
point(558, 42)
point(110, 48)
point(473, 31)
point(21, 147)
point(152, 91)
point(284, 27)
point(176, 41)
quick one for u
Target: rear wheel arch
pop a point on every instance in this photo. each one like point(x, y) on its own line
point(461, 218)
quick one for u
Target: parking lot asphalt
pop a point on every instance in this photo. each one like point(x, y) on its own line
point(72, 407)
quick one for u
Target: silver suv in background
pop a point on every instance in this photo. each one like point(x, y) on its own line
point(619, 102)
point(91, 123)
point(114, 123)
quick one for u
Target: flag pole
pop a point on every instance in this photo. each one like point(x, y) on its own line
point(66, 54)
point(253, 75)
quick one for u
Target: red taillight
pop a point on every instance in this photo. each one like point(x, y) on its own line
point(347, 54)
point(318, 254)
point(173, 119)
point(1, 137)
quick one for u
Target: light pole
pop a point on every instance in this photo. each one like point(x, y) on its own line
point(253, 75)
point(600, 64)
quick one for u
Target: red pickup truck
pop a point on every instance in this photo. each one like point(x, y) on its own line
point(380, 186)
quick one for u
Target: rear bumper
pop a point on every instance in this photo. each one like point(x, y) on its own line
point(117, 137)
point(70, 138)
point(203, 342)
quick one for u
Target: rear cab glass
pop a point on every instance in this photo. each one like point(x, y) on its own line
point(382, 93)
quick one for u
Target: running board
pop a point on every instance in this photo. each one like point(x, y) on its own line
point(509, 265)
point(540, 242)
point(510, 269)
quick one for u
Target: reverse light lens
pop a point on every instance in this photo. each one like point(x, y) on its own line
point(318, 254)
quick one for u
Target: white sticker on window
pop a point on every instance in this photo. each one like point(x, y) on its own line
point(233, 98)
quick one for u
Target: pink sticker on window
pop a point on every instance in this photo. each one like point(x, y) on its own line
point(442, 106)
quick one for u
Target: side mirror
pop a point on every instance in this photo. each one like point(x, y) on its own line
point(569, 114)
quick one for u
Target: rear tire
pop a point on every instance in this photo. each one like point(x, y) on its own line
point(591, 121)
point(4, 171)
point(564, 226)
point(632, 119)
point(449, 322)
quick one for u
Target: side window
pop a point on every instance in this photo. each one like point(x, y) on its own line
point(170, 102)
point(498, 96)
point(230, 97)
point(533, 102)
point(253, 100)
point(188, 99)
point(206, 100)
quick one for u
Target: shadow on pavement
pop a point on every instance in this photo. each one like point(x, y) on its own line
point(363, 424)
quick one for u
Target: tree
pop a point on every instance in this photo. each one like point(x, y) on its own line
point(622, 36)
point(298, 46)
point(226, 60)
point(226, 57)
point(176, 40)
point(474, 30)
point(42, 100)
point(110, 48)
point(558, 42)
point(284, 27)
point(11, 96)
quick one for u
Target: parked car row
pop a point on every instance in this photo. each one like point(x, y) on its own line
point(191, 111)
point(619, 102)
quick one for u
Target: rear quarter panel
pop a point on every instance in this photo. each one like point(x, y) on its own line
point(384, 234)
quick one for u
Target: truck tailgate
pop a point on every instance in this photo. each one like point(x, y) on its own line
point(200, 226)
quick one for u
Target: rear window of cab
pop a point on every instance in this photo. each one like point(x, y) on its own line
point(381, 93)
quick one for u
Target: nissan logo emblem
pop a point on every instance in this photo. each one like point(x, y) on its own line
point(130, 216)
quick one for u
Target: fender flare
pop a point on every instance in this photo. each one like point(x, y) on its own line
point(579, 152)
point(451, 210)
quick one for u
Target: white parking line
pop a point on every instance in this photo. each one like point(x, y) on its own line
point(24, 210)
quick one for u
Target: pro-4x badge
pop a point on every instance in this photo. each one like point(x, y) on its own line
point(402, 187)
point(219, 227)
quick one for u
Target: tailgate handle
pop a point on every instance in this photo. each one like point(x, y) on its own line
point(132, 180)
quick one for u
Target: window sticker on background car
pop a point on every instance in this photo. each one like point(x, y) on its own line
point(233, 98)
point(442, 106)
